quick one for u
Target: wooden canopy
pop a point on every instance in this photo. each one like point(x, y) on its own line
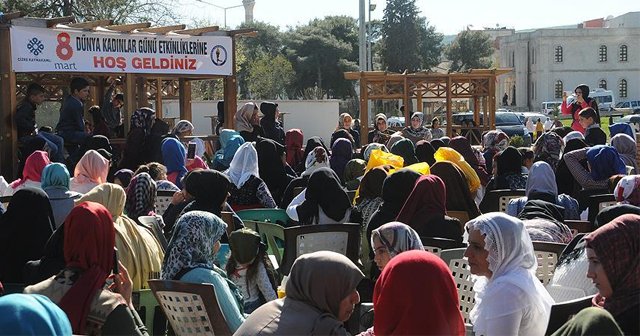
point(476, 84)
point(138, 88)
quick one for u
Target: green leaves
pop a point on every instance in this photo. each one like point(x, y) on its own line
point(470, 50)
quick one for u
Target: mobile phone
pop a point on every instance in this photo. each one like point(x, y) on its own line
point(191, 150)
point(116, 269)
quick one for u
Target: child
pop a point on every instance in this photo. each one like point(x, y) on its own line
point(594, 135)
point(250, 269)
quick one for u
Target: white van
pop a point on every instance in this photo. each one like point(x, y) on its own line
point(550, 106)
point(605, 99)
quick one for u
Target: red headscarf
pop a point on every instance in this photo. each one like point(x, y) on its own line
point(33, 167)
point(89, 239)
point(428, 197)
point(416, 295)
point(293, 141)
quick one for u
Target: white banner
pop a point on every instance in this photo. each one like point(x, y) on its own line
point(55, 50)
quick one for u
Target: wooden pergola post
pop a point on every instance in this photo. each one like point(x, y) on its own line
point(364, 111)
point(8, 132)
point(185, 99)
point(449, 112)
point(230, 85)
point(158, 98)
point(129, 99)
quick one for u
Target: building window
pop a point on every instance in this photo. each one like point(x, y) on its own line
point(603, 53)
point(623, 53)
point(558, 89)
point(558, 54)
point(602, 84)
point(623, 88)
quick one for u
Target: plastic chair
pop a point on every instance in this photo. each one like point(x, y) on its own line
point(599, 202)
point(547, 255)
point(462, 216)
point(163, 199)
point(461, 272)
point(273, 236)
point(578, 226)
point(562, 312)
point(192, 309)
point(569, 281)
point(339, 238)
point(148, 309)
point(497, 200)
point(155, 225)
point(277, 216)
point(435, 244)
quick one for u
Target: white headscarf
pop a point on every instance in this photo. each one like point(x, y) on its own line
point(513, 262)
point(243, 165)
point(541, 179)
point(572, 135)
point(243, 117)
point(311, 164)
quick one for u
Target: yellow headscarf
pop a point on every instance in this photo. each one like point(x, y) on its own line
point(450, 154)
point(138, 249)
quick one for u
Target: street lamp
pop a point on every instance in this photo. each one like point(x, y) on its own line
point(220, 7)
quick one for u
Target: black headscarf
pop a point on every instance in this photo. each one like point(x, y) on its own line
point(26, 226)
point(271, 167)
point(425, 152)
point(271, 128)
point(562, 131)
point(595, 136)
point(341, 133)
point(567, 184)
point(509, 162)
point(395, 190)
point(209, 189)
point(404, 148)
point(323, 190)
point(608, 214)
point(463, 146)
point(542, 209)
point(437, 143)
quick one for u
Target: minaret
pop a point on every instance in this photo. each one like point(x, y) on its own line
point(248, 10)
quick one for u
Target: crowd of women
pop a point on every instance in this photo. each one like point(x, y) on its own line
point(60, 230)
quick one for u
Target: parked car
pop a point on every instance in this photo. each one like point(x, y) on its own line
point(507, 122)
point(632, 119)
point(550, 106)
point(632, 106)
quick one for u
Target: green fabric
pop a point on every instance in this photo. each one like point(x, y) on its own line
point(590, 321)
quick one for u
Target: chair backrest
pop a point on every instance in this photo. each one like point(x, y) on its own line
point(461, 272)
point(277, 216)
point(435, 244)
point(497, 200)
point(599, 202)
point(251, 224)
point(547, 255)
point(191, 308)
point(578, 226)
point(569, 280)
point(146, 304)
point(462, 216)
point(273, 236)
point(339, 238)
point(163, 199)
point(562, 312)
point(155, 224)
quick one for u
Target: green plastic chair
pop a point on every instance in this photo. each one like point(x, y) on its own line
point(273, 236)
point(147, 307)
point(277, 216)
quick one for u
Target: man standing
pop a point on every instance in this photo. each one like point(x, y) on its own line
point(112, 110)
point(71, 123)
point(26, 122)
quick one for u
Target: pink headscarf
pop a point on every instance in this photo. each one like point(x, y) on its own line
point(92, 167)
point(32, 168)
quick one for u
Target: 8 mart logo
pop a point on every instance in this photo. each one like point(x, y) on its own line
point(64, 50)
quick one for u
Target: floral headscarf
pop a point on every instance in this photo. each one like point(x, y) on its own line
point(397, 238)
point(628, 190)
point(548, 148)
point(141, 196)
point(316, 159)
point(143, 118)
point(495, 141)
point(192, 242)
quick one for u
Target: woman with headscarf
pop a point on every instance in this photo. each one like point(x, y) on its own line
point(158, 173)
point(614, 267)
point(370, 192)
point(293, 140)
point(380, 132)
point(436, 131)
point(247, 123)
point(416, 131)
point(320, 296)
point(405, 148)
point(344, 130)
point(408, 281)
point(582, 101)
point(174, 158)
point(463, 146)
point(425, 152)
point(390, 240)
point(26, 226)
point(55, 182)
point(138, 250)
point(247, 190)
point(123, 177)
point(190, 258)
point(510, 300)
point(230, 141)
point(603, 162)
point(341, 153)
point(425, 210)
point(269, 122)
point(572, 135)
point(316, 159)
point(89, 241)
point(91, 170)
point(142, 120)
point(324, 201)
point(271, 167)
point(508, 171)
point(457, 189)
point(541, 185)
point(141, 197)
point(371, 147)
point(493, 142)
point(353, 172)
point(627, 148)
point(567, 184)
point(548, 148)
point(627, 191)
point(31, 174)
point(32, 314)
point(544, 222)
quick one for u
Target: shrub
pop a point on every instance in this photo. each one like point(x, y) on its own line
point(516, 141)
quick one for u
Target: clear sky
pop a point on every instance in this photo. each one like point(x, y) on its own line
point(448, 16)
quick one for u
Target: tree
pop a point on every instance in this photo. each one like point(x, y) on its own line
point(267, 42)
point(270, 77)
point(470, 50)
point(408, 42)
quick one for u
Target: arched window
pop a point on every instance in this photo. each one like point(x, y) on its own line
point(602, 84)
point(623, 88)
point(623, 53)
point(558, 54)
point(558, 89)
point(603, 53)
